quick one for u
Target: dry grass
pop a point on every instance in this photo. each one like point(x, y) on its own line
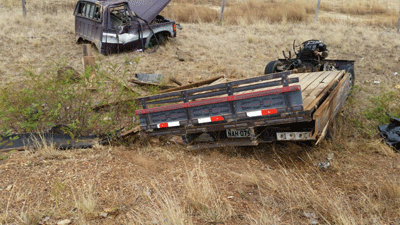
point(188, 13)
point(204, 197)
point(358, 7)
point(39, 147)
point(162, 183)
point(252, 11)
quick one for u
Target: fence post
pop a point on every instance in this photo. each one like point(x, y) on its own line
point(23, 8)
point(222, 10)
point(398, 24)
point(316, 11)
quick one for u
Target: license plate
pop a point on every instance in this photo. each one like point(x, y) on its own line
point(233, 133)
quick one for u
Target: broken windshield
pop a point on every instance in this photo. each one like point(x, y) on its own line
point(120, 15)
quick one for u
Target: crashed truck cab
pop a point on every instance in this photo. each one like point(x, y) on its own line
point(116, 26)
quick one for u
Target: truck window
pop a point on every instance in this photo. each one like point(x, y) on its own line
point(87, 9)
point(97, 13)
point(79, 9)
point(91, 12)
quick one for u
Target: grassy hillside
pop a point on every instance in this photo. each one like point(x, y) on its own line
point(160, 182)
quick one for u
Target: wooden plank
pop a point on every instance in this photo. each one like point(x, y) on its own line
point(219, 81)
point(197, 84)
point(331, 106)
point(88, 61)
point(311, 101)
point(175, 81)
point(146, 84)
point(130, 132)
point(87, 50)
point(311, 82)
point(301, 76)
point(312, 90)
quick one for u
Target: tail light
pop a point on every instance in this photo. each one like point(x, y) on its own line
point(174, 27)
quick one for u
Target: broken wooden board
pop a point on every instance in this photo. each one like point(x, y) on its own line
point(132, 131)
point(175, 81)
point(193, 85)
point(148, 84)
point(330, 107)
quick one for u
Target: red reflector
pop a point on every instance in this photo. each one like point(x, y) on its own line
point(217, 118)
point(174, 27)
point(163, 125)
point(268, 112)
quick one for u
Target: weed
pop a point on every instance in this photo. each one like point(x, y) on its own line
point(382, 104)
point(45, 102)
point(6, 156)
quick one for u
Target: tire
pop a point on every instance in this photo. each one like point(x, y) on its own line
point(272, 67)
point(161, 40)
point(348, 69)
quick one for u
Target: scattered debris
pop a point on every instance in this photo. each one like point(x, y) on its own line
point(377, 82)
point(145, 77)
point(193, 85)
point(64, 222)
point(391, 132)
point(142, 83)
point(395, 74)
point(323, 165)
point(175, 81)
point(132, 131)
point(312, 217)
point(104, 214)
point(230, 197)
point(111, 211)
point(327, 164)
point(9, 187)
point(45, 219)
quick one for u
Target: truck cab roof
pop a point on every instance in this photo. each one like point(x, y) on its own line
point(147, 10)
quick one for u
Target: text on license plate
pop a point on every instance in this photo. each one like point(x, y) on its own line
point(233, 133)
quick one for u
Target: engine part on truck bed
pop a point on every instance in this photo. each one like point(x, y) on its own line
point(310, 56)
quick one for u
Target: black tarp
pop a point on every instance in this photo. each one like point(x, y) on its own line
point(391, 132)
point(59, 141)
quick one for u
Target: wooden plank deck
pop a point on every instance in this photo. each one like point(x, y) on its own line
point(314, 86)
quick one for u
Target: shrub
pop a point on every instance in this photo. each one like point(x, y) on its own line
point(44, 101)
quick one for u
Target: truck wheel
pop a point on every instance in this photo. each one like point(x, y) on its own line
point(272, 67)
point(161, 40)
point(348, 69)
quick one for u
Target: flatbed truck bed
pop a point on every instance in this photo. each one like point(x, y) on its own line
point(273, 107)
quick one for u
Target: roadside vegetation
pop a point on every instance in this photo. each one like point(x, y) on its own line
point(158, 181)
